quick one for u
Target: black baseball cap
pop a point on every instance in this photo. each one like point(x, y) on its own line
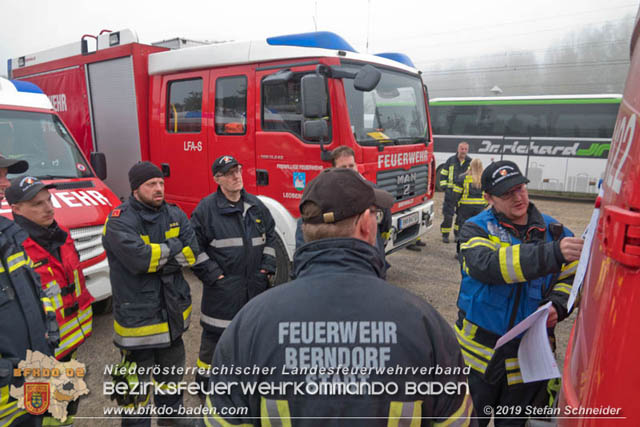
point(14, 165)
point(24, 188)
point(341, 193)
point(223, 164)
point(499, 177)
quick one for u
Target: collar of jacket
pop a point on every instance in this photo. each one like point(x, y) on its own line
point(50, 238)
point(535, 222)
point(148, 213)
point(226, 206)
point(337, 255)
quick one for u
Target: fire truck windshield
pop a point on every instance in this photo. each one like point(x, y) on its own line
point(42, 140)
point(394, 112)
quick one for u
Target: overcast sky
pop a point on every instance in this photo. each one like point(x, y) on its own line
point(426, 30)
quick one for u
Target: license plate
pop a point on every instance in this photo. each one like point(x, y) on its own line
point(408, 220)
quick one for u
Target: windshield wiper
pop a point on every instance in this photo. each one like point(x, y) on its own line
point(58, 177)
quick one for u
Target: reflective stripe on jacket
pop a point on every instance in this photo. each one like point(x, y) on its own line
point(64, 285)
point(147, 249)
point(470, 194)
point(451, 174)
point(237, 240)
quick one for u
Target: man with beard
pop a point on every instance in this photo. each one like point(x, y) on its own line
point(148, 241)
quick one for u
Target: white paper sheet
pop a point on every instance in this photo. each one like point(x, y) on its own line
point(535, 357)
point(585, 256)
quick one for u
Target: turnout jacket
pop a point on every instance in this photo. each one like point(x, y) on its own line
point(63, 282)
point(452, 174)
point(507, 273)
point(238, 241)
point(338, 313)
point(25, 325)
point(147, 248)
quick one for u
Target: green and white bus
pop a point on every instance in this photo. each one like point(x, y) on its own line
point(560, 142)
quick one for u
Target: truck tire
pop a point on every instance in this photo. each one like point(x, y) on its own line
point(283, 265)
point(438, 186)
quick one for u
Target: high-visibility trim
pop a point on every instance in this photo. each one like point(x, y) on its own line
point(216, 323)
point(69, 342)
point(474, 362)
point(216, 420)
point(47, 304)
point(202, 364)
point(445, 230)
point(140, 331)
point(456, 189)
point(274, 413)
point(568, 270)
point(473, 202)
point(68, 327)
point(509, 257)
point(511, 363)
point(76, 280)
point(10, 413)
point(4, 397)
point(172, 232)
point(159, 339)
point(462, 416)
point(269, 251)
point(156, 251)
point(562, 287)
point(227, 243)
point(203, 257)
point(444, 172)
point(514, 378)
point(478, 348)
point(189, 255)
point(258, 241)
point(145, 239)
point(443, 183)
point(16, 261)
point(479, 241)
point(186, 316)
point(405, 414)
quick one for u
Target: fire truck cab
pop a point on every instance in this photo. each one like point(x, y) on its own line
point(278, 105)
point(30, 129)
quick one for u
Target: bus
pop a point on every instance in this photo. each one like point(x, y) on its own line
point(561, 142)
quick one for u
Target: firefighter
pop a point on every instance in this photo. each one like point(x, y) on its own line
point(148, 241)
point(472, 201)
point(27, 316)
point(237, 234)
point(56, 261)
point(513, 259)
point(451, 178)
point(337, 327)
point(344, 157)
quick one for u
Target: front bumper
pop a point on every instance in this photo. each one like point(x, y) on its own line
point(401, 237)
point(97, 279)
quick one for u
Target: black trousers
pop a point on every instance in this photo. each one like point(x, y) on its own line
point(208, 344)
point(163, 357)
point(502, 400)
point(448, 211)
point(463, 213)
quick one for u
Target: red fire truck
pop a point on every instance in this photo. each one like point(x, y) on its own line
point(278, 105)
point(601, 373)
point(31, 130)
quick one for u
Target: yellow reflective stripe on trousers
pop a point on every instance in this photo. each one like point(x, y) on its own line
point(462, 416)
point(216, 420)
point(274, 413)
point(202, 365)
point(186, 316)
point(509, 257)
point(156, 251)
point(173, 232)
point(568, 270)
point(512, 366)
point(405, 414)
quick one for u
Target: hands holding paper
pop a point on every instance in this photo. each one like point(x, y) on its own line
point(553, 317)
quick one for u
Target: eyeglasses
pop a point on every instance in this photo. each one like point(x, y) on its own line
point(379, 215)
point(511, 193)
point(233, 171)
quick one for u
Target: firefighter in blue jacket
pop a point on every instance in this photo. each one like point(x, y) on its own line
point(27, 316)
point(237, 235)
point(337, 329)
point(513, 260)
point(147, 242)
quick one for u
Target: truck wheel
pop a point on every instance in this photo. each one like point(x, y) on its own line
point(283, 265)
point(438, 186)
point(103, 307)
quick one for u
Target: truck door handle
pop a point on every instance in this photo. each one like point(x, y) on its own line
point(166, 169)
point(262, 177)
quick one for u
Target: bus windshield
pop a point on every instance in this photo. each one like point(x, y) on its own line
point(42, 140)
point(394, 112)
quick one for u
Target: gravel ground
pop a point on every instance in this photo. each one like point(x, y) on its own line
point(432, 274)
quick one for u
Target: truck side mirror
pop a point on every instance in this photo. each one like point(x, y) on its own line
point(367, 78)
point(314, 96)
point(99, 164)
point(315, 130)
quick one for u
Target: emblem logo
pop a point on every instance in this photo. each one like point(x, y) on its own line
point(36, 398)
point(299, 180)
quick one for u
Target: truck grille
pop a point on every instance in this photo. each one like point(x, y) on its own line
point(88, 241)
point(404, 184)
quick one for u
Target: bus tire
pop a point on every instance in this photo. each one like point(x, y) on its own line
point(283, 265)
point(438, 186)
